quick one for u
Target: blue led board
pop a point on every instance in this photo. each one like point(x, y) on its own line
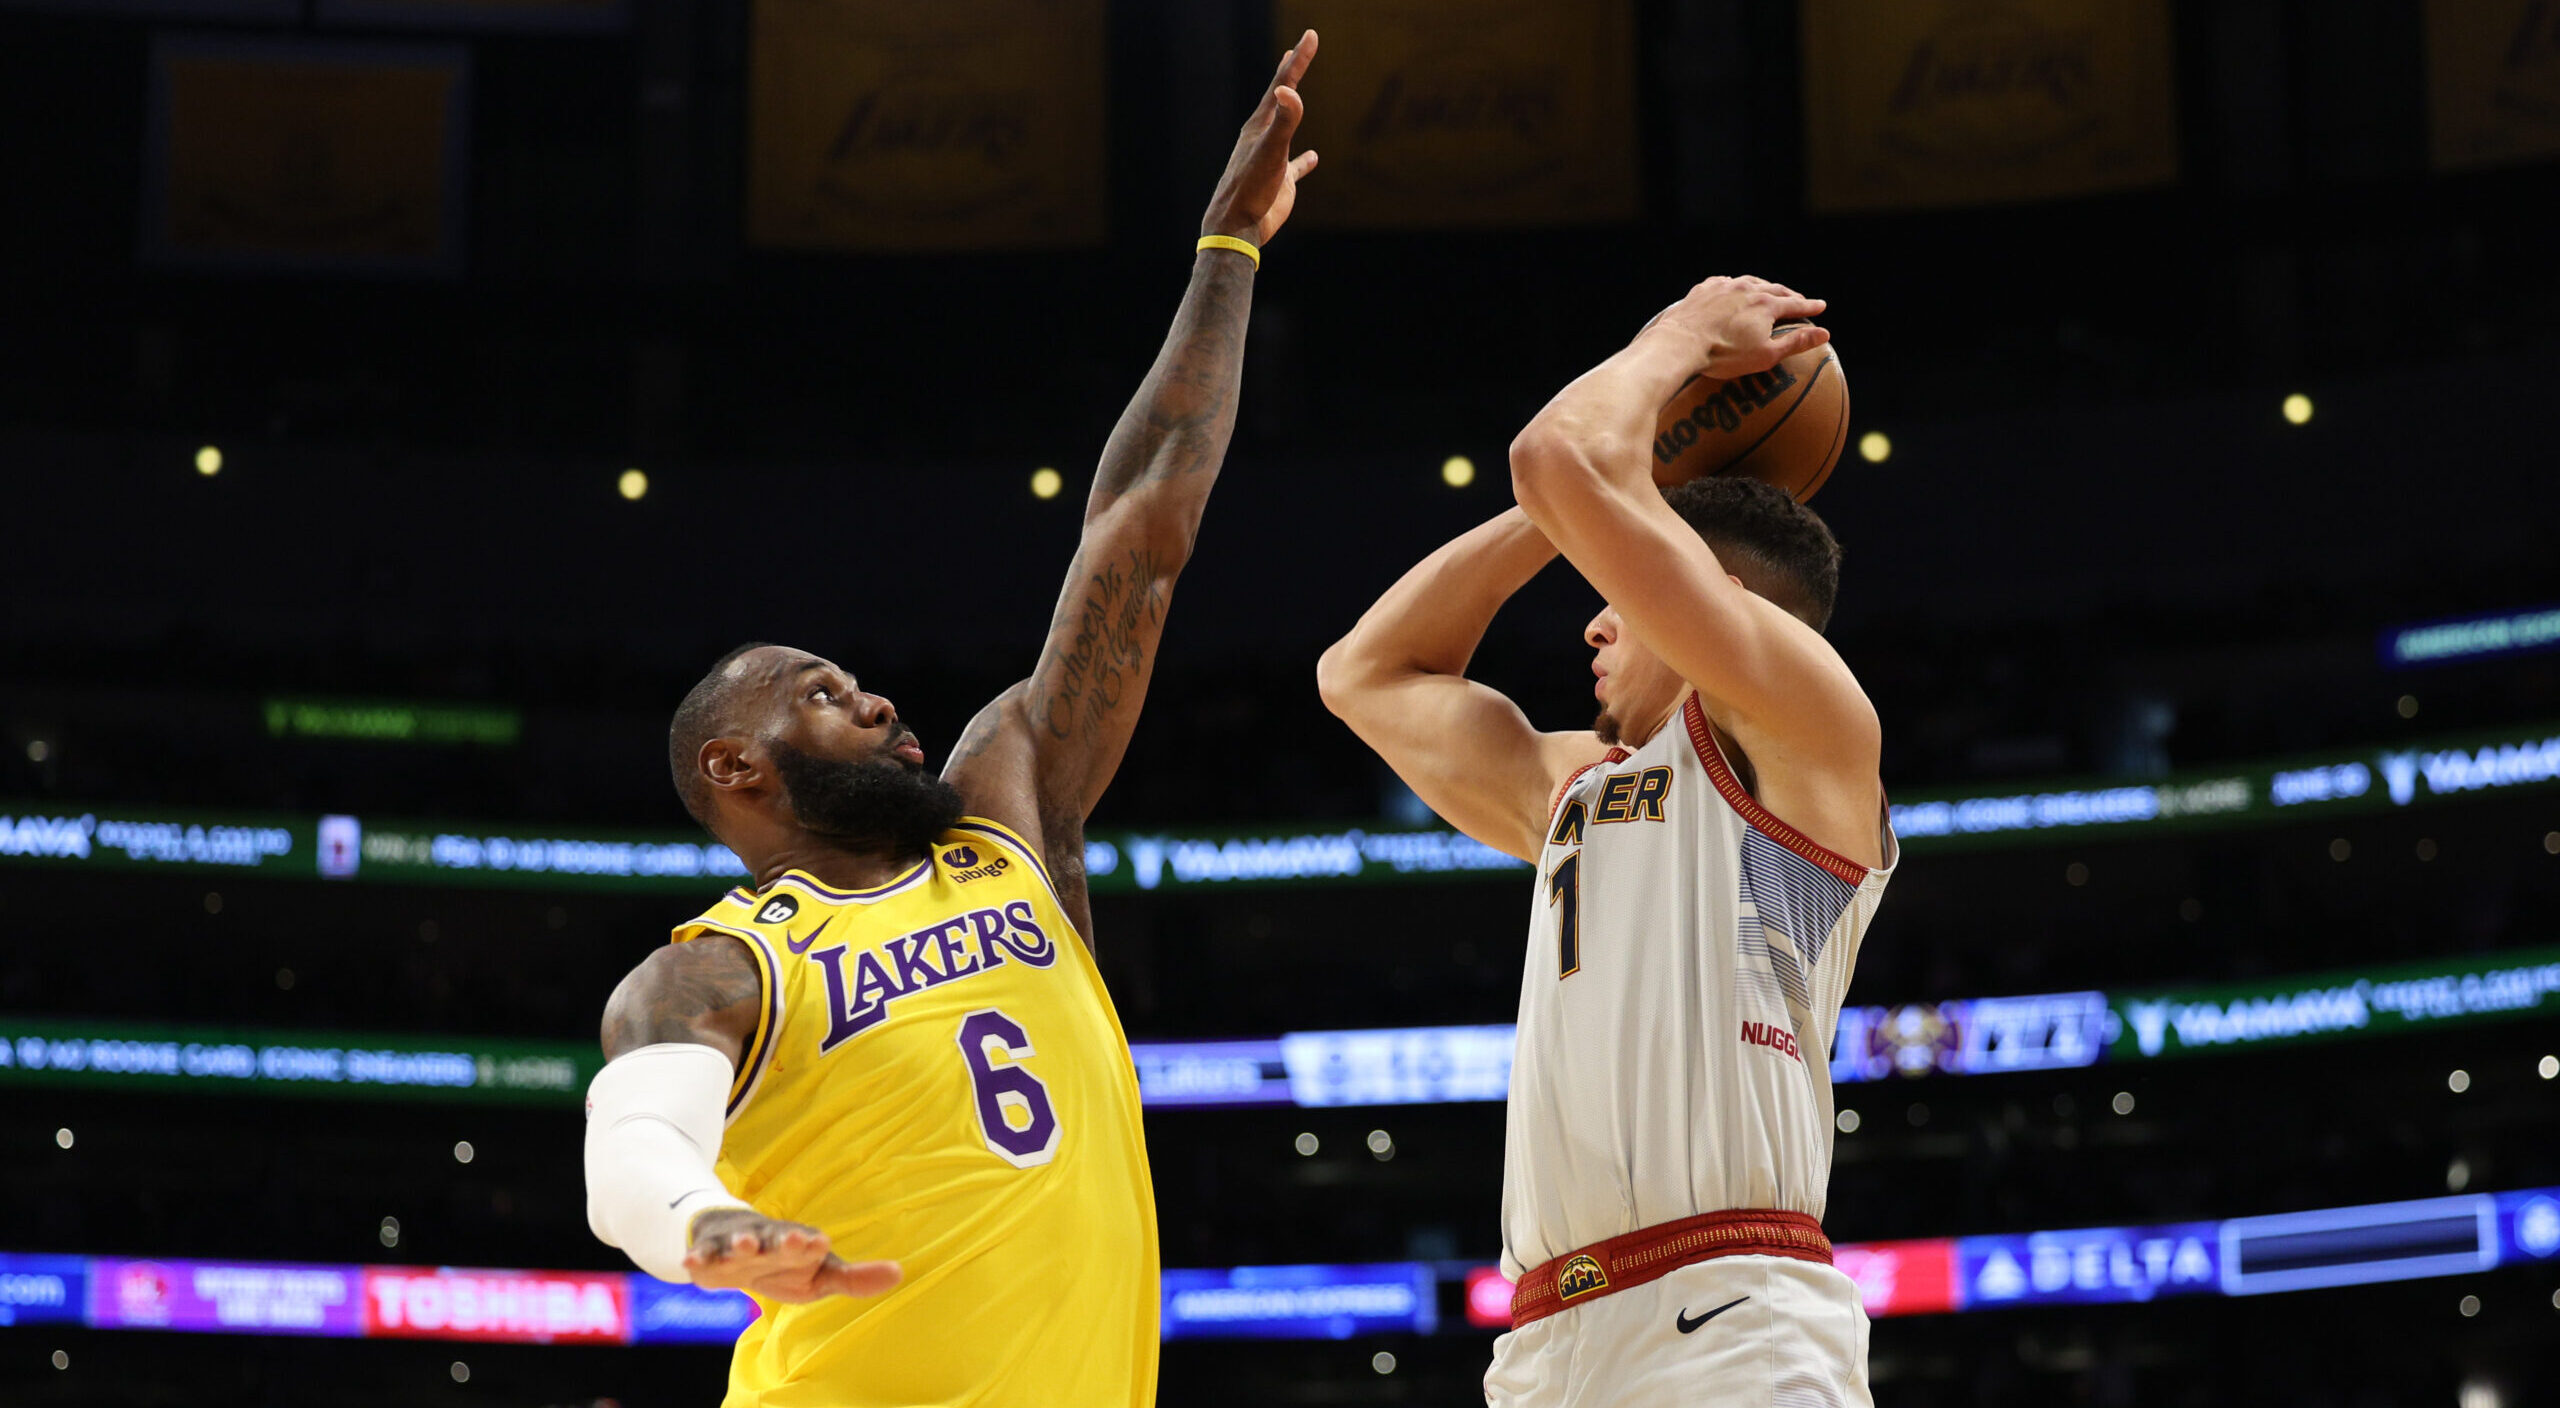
point(37, 1290)
point(668, 1314)
point(2487, 637)
point(1301, 1302)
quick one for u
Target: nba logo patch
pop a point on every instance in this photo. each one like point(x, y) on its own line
point(779, 908)
point(1580, 1277)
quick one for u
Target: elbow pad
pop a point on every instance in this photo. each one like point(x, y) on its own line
point(654, 1118)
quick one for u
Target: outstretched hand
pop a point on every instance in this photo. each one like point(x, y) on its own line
point(741, 1249)
point(1729, 327)
point(1260, 187)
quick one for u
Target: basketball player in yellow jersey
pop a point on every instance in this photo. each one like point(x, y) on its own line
point(896, 1044)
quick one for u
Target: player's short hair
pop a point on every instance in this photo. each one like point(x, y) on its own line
point(1778, 547)
point(708, 711)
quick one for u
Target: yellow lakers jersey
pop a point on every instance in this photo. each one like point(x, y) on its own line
point(938, 1079)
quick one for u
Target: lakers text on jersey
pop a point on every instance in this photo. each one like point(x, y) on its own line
point(939, 1079)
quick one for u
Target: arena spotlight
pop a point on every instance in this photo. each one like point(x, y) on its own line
point(1306, 1145)
point(2123, 1103)
point(62, 1137)
point(1875, 447)
point(632, 485)
point(461, 1372)
point(2458, 1081)
point(209, 460)
point(38, 750)
point(1457, 471)
point(2479, 1393)
point(389, 1232)
point(2341, 848)
point(1383, 1362)
point(2551, 843)
point(2548, 1067)
point(1046, 482)
point(462, 1151)
point(2297, 409)
point(1382, 1145)
point(61, 1359)
point(2457, 1175)
point(1846, 1121)
point(2470, 1306)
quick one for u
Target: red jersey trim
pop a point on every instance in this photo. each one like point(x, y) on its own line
point(1759, 817)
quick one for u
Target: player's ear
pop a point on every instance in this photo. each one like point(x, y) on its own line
point(727, 763)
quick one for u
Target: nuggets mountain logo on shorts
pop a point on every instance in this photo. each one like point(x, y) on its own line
point(1580, 1277)
point(777, 909)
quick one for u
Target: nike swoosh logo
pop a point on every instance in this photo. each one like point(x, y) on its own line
point(801, 946)
point(1686, 1324)
point(681, 1197)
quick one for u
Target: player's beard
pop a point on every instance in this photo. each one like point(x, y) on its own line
point(880, 803)
point(1607, 727)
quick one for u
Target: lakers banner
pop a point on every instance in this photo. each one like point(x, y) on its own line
point(311, 156)
point(892, 125)
point(1468, 112)
point(2493, 78)
point(480, 14)
point(1956, 102)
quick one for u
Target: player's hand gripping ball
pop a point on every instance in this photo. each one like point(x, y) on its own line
point(1770, 401)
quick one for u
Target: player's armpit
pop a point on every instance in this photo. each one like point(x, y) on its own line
point(1465, 749)
point(997, 767)
point(706, 992)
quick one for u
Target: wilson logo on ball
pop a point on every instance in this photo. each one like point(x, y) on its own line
point(1722, 411)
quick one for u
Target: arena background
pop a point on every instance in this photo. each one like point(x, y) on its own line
point(2212, 345)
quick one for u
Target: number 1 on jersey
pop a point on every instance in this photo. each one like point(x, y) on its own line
point(1564, 887)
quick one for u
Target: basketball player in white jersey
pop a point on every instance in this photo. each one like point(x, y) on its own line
point(1709, 854)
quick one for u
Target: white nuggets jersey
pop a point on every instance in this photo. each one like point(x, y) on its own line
point(1687, 956)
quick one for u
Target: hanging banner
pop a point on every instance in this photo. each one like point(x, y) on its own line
point(883, 125)
point(1914, 103)
point(2493, 81)
point(1460, 112)
point(557, 15)
point(318, 157)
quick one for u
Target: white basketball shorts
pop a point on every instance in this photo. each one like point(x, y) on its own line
point(1733, 1332)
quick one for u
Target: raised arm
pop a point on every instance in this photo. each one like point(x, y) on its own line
point(1583, 471)
point(1399, 680)
point(1039, 757)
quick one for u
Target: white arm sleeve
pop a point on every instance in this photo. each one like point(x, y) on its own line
point(653, 1132)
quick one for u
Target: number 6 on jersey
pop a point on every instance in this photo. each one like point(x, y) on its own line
point(1013, 1105)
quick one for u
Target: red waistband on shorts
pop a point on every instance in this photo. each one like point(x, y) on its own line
point(1650, 1253)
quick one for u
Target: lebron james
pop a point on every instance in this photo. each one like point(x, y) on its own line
point(884, 1091)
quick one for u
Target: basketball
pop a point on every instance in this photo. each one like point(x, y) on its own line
point(1786, 425)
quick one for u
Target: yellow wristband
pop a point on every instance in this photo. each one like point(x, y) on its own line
point(1243, 247)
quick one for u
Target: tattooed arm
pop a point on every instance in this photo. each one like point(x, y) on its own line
point(706, 993)
point(1039, 757)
